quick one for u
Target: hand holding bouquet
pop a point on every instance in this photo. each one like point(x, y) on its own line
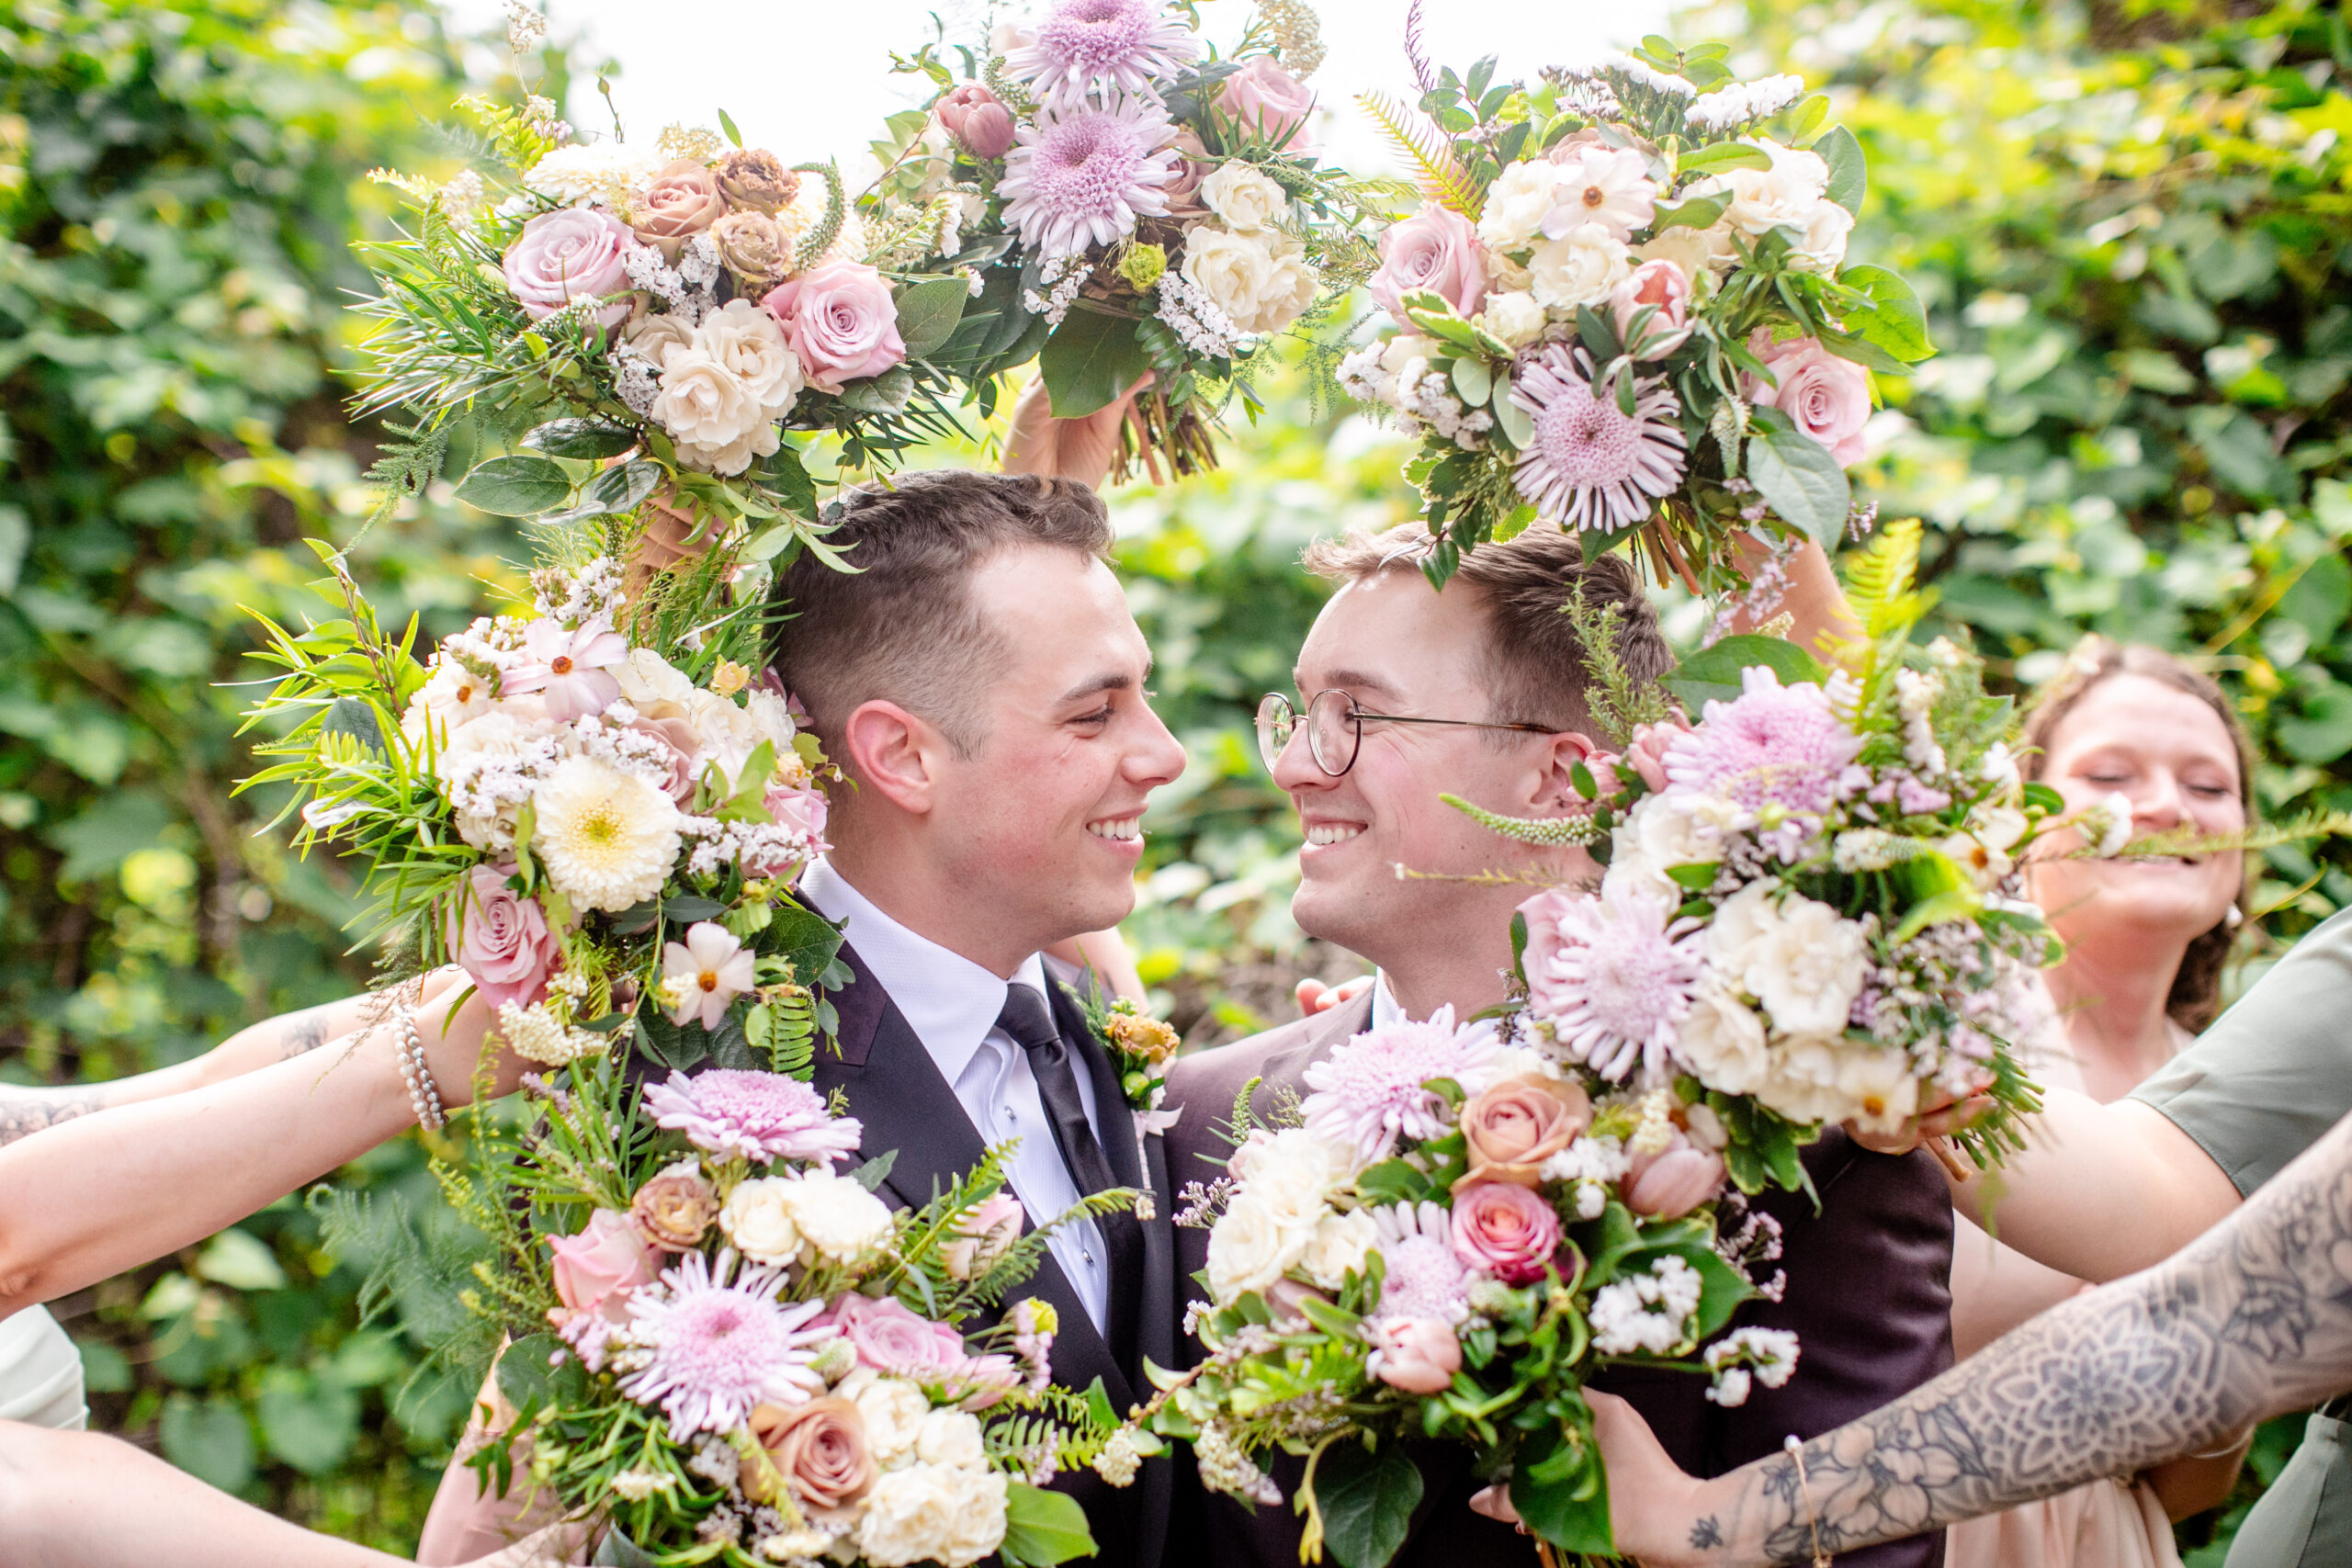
point(1624, 309)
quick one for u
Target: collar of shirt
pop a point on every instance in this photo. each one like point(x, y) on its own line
point(1387, 1009)
point(950, 1002)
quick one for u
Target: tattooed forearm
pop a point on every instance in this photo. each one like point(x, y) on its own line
point(26, 1110)
point(299, 1033)
point(2254, 1319)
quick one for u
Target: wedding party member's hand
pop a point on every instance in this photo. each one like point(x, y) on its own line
point(1654, 1508)
point(1081, 449)
point(558, 1546)
point(1315, 997)
point(1821, 620)
point(1940, 1115)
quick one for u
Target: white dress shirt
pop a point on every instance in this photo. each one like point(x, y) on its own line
point(1387, 1009)
point(952, 1004)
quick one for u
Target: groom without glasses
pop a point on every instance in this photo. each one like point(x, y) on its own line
point(1405, 694)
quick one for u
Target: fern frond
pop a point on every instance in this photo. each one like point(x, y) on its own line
point(1548, 830)
point(1878, 581)
point(1442, 178)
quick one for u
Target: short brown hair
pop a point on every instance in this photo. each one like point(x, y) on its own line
point(2196, 996)
point(902, 627)
point(1533, 664)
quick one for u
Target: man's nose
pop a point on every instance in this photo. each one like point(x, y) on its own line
point(1295, 767)
point(1159, 757)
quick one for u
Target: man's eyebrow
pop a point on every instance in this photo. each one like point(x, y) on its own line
point(1108, 682)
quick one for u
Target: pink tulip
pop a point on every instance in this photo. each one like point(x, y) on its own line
point(1418, 1355)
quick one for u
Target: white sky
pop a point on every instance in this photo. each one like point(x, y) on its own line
point(809, 78)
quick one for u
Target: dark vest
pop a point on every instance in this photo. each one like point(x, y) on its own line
point(897, 1093)
point(1868, 1293)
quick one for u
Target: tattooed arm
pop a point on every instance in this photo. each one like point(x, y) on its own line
point(2253, 1319)
point(27, 1109)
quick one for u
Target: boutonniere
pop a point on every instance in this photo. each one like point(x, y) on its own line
point(1140, 1045)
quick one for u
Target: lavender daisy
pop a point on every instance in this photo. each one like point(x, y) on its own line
point(712, 1349)
point(1370, 1089)
point(1081, 175)
point(1591, 464)
point(1421, 1277)
point(760, 1117)
point(1614, 975)
point(1115, 46)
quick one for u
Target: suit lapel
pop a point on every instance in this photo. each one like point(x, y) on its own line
point(1329, 1029)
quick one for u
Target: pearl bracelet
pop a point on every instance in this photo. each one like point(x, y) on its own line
point(422, 1093)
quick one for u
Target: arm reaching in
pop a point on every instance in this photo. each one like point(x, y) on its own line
point(62, 1495)
point(27, 1109)
point(1081, 449)
point(2254, 1319)
point(107, 1192)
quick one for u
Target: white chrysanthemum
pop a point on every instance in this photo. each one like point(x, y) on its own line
point(607, 171)
point(608, 838)
point(1080, 177)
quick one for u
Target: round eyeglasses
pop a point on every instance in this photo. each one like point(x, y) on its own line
point(1335, 728)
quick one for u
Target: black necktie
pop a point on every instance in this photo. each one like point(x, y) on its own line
point(1031, 1024)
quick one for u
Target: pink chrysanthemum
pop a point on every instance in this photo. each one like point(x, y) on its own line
point(713, 1349)
point(1080, 177)
point(1116, 46)
point(1591, 465)
point(1369, 1090)
point(1614, 975)
point(1420, 1275)
point(759, 1117)
point(1781, 752)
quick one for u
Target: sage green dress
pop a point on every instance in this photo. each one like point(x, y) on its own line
point(2260, 1087)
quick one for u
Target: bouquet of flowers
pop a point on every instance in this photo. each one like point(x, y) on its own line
point(1624, 309)
point(615, 324)
point(1810, 914)
point(1135, 202)
point(603, 839)
point(743, 1355)
point(1452, 1231)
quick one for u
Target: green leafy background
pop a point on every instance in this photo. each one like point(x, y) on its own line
point(2132, 226)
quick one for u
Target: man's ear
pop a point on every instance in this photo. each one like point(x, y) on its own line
point(894, 753)
point(1554, 791)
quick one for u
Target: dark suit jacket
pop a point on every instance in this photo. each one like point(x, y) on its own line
point(1868, 1293)
point(897, 1093)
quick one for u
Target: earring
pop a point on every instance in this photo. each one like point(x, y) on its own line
point(2235, 919)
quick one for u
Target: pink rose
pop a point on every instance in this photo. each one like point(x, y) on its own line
point(1665, 285)
point(1437, 250)
point(575, 253)
point(500, 939)
point(1543, 914)
point(676, 736)
point(1826, 396)
point(1668, 1186)
point(596, 1270)
point(1268, 101)
point(1193, 167)
point(682, 202)
point(819, 1449)
point(889, 1338)
point(1516, 1125)
point(982, 1236)
point(978, 121)
point(838, 321)
point(1419, 1355)
point(1506, 1230)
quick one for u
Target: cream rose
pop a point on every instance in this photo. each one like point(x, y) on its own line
point(1290, 286)
point(653, 686)
point(1782, 196)
point(837, 1219)
point(1336, 1247)
point(1823, 248)
point(1233, 270)
point(1723, 1040)
point(719, 423)
point(746, 339)
point(758, 1219)
point(951, 1437)
point(1696, 251)
point(1244, 199)
point(931, 1513)
point(1516, 204)
point(1879, 1089)
point(1584, 269)
point(1513, 317)
point(893, 1410)
point(1251, 1246)
point(1801, 958)
point(655, 336)
point(1803, 1084)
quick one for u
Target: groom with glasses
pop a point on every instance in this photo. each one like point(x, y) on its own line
point(1479, 692)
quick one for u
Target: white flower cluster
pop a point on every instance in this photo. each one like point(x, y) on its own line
point(1594, 1164)
point(1063, 276)
point(1737, 105)
point(1747, 1356)
point(1646, 1311)
point(1914, 697)
point(1225, 1468)
point(1397, 373)
point(1193, 317)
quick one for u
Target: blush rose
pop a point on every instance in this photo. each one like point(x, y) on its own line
point(576, 253)
point(1826, 396)
point(1506, 1230)
point(819, 1449)
point(500, 939)
point(682, 201)
point(840, 322)
point(889, 1338)
point(1267, 100)
point(596, 1269)
point(1436, 249)
point(1515, 1127)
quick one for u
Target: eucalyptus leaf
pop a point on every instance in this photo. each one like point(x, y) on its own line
point(1089, 362)
point(1801, 482)
point(928, 312)
point(1895, 321)
point(518, 486)
point(887, 393)
point(1473, 380)
point(1848, 170)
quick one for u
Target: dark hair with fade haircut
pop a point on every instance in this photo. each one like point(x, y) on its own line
point(902, 627)
point(1534, 664)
